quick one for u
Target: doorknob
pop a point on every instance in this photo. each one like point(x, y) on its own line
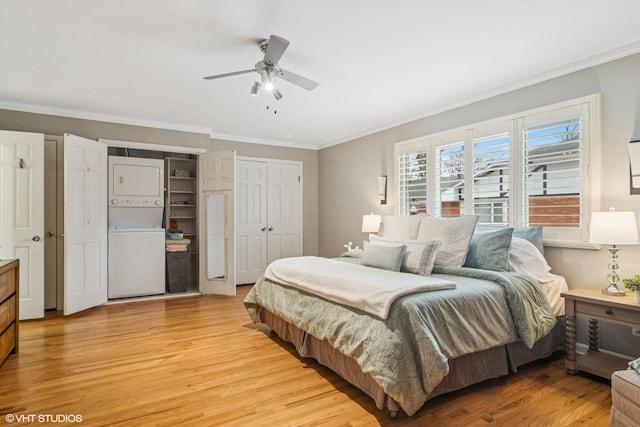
point(264, 229)
point(36, 238)
point(51, 234)
point(270, 228)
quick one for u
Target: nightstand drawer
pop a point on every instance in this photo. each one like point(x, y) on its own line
point(607, 312)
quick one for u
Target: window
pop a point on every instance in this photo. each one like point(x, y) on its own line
point(552, 164)
point(449, 178)
point(491, 165)
point(412, 167)
point(528, 169)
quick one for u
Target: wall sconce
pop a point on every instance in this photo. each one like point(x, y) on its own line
point(382, 189)
point(371, 223)
point(634, 163)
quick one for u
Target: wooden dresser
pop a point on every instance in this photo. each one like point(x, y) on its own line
point(9, 304)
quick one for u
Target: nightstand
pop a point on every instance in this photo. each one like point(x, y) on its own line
point(592, 304)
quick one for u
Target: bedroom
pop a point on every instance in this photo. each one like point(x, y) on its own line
point(338, 190)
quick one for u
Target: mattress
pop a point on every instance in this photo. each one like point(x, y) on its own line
point(552, 290)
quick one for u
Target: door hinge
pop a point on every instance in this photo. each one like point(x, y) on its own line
point(298, 178)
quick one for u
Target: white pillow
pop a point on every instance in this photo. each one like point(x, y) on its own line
point(524, 257)
point(396, 227)
point(455, 234)
point(419, 257)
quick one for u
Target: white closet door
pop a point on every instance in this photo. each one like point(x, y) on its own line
point(251, 220)
point(22, 214)
point(85, 224)
point(284, 210)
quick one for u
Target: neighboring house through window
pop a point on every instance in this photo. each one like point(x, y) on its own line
point(527, 169)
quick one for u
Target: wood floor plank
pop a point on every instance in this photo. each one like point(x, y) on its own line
point(200, 361)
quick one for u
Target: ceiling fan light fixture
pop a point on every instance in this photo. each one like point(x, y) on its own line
point(267, 80)
point(255, 88)
point(276, 94)
point(269, 68)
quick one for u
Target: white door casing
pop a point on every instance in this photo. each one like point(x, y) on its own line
point(22, 214)
point(85, 224)
point(251, 220)
point(216, 171)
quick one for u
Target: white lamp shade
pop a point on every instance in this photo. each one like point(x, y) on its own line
point(370, 223)
point(614, 228)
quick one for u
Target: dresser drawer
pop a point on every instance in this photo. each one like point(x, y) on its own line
point(7, 312)
point(7, 342)
point(7, 284)
point(603, 311)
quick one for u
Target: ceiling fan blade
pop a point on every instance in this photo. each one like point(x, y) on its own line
point(276, 47)
point(297, 79)
point(235, 73)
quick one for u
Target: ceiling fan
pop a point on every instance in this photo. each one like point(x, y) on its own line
point(269, 70)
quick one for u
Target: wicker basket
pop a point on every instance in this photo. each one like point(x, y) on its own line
point(178, 271)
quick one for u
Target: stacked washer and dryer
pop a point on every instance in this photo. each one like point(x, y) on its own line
point(136, 237)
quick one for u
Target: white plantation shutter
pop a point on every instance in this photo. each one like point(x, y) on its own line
point(449, 180)
point(534, 168)
point(412, 182)
point(491, 166)
point(552, 174)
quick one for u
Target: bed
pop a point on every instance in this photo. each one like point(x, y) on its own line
point(455, 326)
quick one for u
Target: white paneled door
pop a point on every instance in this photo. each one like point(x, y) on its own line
point(284, 235)
point(251, 220)
point(22, 214)
point(85, 223)
point(268, 216)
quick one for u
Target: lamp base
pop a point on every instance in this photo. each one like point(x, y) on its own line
point(613, 289)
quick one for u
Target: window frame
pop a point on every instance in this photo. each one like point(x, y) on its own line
point(586, 108)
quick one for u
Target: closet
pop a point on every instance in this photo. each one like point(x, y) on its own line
point(76, 201)
point(181, 206)
point(268, 216)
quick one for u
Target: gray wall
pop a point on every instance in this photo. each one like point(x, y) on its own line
point(56, 125)
point(348, 171)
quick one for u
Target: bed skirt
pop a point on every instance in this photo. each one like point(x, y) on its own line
point(463, 371)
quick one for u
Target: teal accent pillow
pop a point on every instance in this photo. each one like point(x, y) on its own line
point(489, 250)
point(385, 257)
point(532, 234)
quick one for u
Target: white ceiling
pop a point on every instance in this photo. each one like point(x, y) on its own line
point(379, 62)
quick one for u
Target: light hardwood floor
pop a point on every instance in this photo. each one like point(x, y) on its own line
point(199, 361)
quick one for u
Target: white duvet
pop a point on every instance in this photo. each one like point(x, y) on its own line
point(368, 289)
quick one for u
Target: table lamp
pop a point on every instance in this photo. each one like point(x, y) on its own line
point(613, 228)
point(371, 223)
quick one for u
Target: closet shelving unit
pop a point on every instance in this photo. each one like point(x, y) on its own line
point(182, 202)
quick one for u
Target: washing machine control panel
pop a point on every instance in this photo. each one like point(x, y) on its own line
point(138, 202)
